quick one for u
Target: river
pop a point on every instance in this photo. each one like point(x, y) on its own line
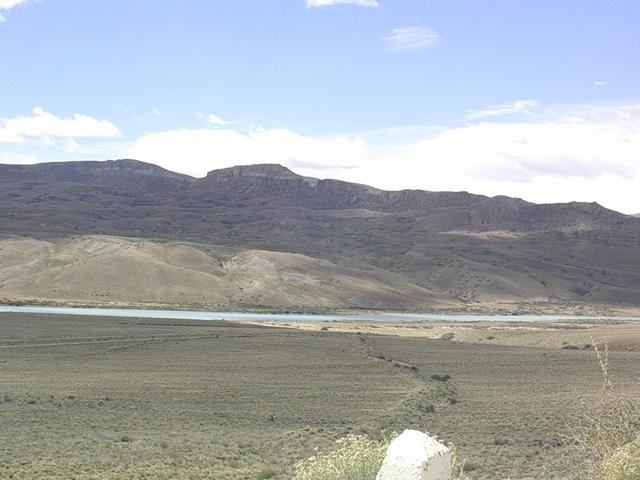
point(294, 317)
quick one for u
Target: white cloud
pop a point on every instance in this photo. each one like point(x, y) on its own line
point(7, 136)
point(518, 106)
point(197, 151)
point(44, 124)
point(7, 4)
point(411, 39)
point(16, 159)
point(582, 153)
point(520, 152)
point(330, 3)
point(600, 83)
point(71, 146)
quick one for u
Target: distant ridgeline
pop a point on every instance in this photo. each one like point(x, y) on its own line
point(266, 237)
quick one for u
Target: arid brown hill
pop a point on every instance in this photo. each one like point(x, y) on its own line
point(453, 249)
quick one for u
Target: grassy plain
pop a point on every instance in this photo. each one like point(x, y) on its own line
point(123, 398)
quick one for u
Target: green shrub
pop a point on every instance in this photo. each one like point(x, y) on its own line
point(624, 464)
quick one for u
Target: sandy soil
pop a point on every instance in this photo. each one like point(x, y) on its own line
point(123, 398)
point(568, 335)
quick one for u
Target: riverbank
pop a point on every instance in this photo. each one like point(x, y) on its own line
point(545, 332)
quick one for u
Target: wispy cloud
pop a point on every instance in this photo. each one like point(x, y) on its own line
point(43, 124)
point(600, 83)
point(8, 4)
point(517, 106)
point(411, 39)
point(330, 3)
point(214, 119)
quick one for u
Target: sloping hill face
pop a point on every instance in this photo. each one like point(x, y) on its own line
point(119, 271)
point(458, 249)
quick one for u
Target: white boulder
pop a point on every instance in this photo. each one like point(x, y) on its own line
point(416, 456)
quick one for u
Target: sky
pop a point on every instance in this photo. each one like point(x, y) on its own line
point(537, 99)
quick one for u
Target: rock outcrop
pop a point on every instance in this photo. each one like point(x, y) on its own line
point(416, 456)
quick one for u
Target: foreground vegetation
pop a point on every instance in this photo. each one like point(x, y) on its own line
point(624, 464)
point(120, 398)
point(608, 433)
point(609, 430)
point(357, 457)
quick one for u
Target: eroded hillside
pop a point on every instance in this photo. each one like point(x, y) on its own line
point(409, 250)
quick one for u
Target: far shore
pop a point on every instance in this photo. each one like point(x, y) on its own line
point(507, 310)
point(568, 334)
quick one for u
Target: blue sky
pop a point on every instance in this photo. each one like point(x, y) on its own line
point(538, 99)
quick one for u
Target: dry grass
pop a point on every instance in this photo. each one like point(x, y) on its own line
point(357, 457)
point(608, 431)
point(624, 464)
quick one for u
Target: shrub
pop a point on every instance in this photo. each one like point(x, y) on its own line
point(459, 467)
point(624, 464)
point(357, 457)
point(266, 473)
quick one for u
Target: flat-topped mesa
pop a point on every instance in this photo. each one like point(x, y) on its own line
point(269, 170)
point(282, 186)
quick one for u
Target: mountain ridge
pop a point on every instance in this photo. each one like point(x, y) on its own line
point(82, 170)
point(482, 252)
